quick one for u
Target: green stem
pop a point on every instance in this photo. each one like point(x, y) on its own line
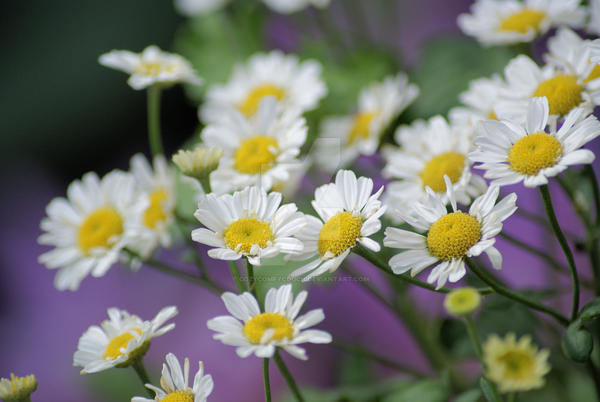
point(140, 370)
point(153, 104)
point(565, 247)
point(512, 397)
point(476, 341)
point(250, 275)
point(535, 251)
point(205, 183)
point(592, 240)
point(266, 380)
point(236, 277)
point(287, 377)
point(515, 296)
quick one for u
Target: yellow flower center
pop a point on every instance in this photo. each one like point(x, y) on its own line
point(179, 396)
point(250, 105)
point(361, 126)
point(462, 301)
point(492, 115)
point(152, 69)
point(594, 74)
point(453, 235)
point(523, 21)
point(563, 93)
point(255, 155)
point(518, 364)
point(256, 327)
point(243, 233)
point(339, 233)
point(534, 152)
point(113, 349)
point(451, 164)
point(155, 212)
point(99, 229)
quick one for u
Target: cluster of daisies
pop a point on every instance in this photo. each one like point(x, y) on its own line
point(526, 126)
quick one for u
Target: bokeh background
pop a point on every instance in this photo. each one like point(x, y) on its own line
point(63, 115)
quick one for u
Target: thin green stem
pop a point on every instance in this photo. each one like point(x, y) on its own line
point(515, 296)
point(535, 251)
point(205, 183)
point(236, 277)
point(565, 247)
point(140, 370)
point(287, 376)
point(512, 397)
point(250, 275)
point(476, 341)
point(592, 240)
point(266, 380)
point(153, 104)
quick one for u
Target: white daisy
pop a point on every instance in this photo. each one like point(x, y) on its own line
point(90, 227)
point(576, 56)
point(248, 224)
point(291, 6)
point(191, 8)
point(261, 150)
point(174, 383)
point(296, 85)
point(344, 138)
point(152, 66)
point(349, 213)
point(158, 186)
point(565, 89)
point(429, 151)
point(511, 153)
point(278, 327)
point(494, 22)
point(450, 236)
point(119, 341)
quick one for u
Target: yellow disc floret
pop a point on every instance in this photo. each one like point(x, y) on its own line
point(256, 155)
point(17, 388)
point(152, 69)
point(451, 164)
point(279, 324)
point(243, 233)
point(453, 235)
point(339, 233)
point(534, 152)
point(523, 21)
point(462, 301)
point(179, 396)
point(562, 91)
point(113, 349)
point(594, 74)
point(361, 127)
point(99, 229)
point(250, 105)
point(155, 213)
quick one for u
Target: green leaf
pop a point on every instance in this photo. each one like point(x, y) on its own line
point(486, 387)
point(427, 390)
point(590, 311)
point(471, 395)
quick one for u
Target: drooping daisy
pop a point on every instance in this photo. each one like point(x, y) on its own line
point(151, 67)
point(199, 162)
point(349, 213)
point(261, 150)
point(515, 365)
point(344, 138)
point(451, 237)
point(248, 224)
point(494, 22)
point(17, 388)
point(429, 151)
point(576, 56)
point(564, 89)
point(296, 85)
point(291, 6)
point(158, 185)
point(511, 153)
point(119, 341)
point(174, 383)
point(279, 326)
point(89, 229)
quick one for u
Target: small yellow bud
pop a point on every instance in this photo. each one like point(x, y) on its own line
point(17, 388)
point(199, 162)
point(462, 301)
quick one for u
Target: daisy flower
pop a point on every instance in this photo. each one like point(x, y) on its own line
point(349, 213)
point(291, 6)
point(248, 224)
point(119, 341)
point(429, 151)
point(174, 383)
point(253, 332)
point(511, 153)
point(344, 138)
point(462, 301)
point(577, 56)
point(151, 67)
point(295, 85)
point(261, 150)
point(565, 89)
point(199, 162)
point(515, 365)
point(494, 22)
point(17, 388)
point(451, 237)
point(157, 184)
point(90, 227)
